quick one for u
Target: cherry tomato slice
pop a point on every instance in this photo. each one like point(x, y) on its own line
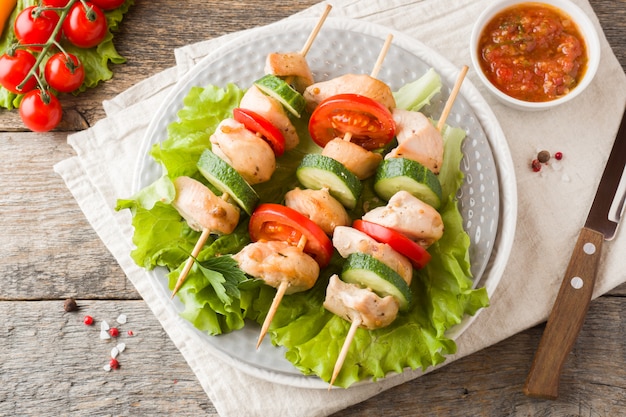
point(370, 123)
point(276, 222)
point(262, 127)
point(40, 111)
point(14, 69)
point(418, 256)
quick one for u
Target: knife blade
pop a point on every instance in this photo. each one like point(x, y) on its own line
point(574, 296)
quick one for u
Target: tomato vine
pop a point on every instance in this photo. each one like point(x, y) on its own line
point(44, 57)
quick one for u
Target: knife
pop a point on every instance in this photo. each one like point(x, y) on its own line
point(572, 302)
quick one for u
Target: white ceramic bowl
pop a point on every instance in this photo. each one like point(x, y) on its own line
point(586, 28)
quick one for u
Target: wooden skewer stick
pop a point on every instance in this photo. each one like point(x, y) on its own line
point(194, 254)
point(344, 350)
point(280, 292)
point(316, 29)
point(357, 321)
point(381, 56)
point(453, 94)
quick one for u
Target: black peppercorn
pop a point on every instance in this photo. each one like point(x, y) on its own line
point(70, 305)
point(543, 156)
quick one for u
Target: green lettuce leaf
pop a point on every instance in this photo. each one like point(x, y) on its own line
point(203, 109)
point(417, 94)
point(311, 335)
point(96, 60)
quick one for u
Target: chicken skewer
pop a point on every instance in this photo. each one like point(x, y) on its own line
point(206, 231)
point(346, 307)
point(356, 320)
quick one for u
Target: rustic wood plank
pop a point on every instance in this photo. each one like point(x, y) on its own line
point(63, 359)
point(612, 17)
point(51, 363)
point(42, 226)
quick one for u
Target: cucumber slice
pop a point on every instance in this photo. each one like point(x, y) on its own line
point(318, 171)
point(225, 178)
point(369, 272)
point(279, 89)
point(397, 174)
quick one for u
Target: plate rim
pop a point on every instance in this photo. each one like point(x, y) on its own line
point(507, 213)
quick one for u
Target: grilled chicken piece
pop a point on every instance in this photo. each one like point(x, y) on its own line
point(202, 209)
point(410, 216)
point(348, 240)
point(362, 84)
point(355, 158)
point(250, 155)
point(271, 109)
point(275, 262)
point(292, 65)
point(418, 140)
point(319, 206)
point(351, 303)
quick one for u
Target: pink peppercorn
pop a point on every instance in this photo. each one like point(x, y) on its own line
point(558, 156)
point(88, 320)
point(114, 332)
point(114, 364)
point(536, 165)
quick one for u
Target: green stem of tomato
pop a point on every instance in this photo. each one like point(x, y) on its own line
point(51, 42)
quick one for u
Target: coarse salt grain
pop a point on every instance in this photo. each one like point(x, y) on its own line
point(121, 347)
point(104, 335)
point(104, 325)
point(114, 352)
point(121, 319)
point(107, 367)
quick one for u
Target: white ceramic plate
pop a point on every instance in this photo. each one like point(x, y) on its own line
point(488, 198)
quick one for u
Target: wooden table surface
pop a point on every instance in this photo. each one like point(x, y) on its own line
point(51, 363)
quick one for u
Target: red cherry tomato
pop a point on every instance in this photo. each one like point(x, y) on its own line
point(276, 222)
point(64, 73)
point(14, 69)
point(35, 26)
point(55, 3)
point(108, 4)
point(40, 111)
point(369, 122)
point(85, 27)
point(418, 256)
point(261, 126)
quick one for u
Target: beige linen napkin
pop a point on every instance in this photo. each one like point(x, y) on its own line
point(547, 225)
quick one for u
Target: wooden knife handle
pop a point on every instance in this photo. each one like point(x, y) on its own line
point(566, 318)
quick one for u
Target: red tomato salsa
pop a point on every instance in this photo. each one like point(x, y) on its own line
point(533, 52)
